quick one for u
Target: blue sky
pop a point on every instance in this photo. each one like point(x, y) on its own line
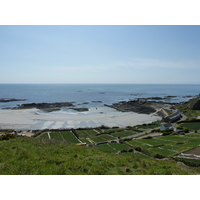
point(100, 54)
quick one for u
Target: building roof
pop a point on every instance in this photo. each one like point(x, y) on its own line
point(166, 125)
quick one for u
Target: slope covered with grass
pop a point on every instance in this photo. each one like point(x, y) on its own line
point(190, 108)
point(23, 155)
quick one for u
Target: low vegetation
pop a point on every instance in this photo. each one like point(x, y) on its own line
point(187, 108)
point(25, 156)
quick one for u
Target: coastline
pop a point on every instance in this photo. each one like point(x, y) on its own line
point(34, 119)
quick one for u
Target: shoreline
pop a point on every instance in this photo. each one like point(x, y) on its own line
point(34, 119)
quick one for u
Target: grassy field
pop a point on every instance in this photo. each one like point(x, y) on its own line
point(167, 146)
point(124, 133)
point(112, 147)
point(24, 156)
point(186, 109)
point(61, 136)
point(192, 125)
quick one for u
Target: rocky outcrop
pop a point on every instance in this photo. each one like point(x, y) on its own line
point(47, 107)
point(80, 109)
point(132, 106)
point(5, 100)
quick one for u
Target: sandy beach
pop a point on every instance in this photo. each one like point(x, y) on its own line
point(34, 119)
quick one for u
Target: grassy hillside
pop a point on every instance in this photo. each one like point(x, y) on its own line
point(22, 155)
point(187, 108)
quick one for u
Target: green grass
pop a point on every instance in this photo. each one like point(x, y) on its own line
point(186, 109)
point(124, 133)
point(87, 133)
point(98, 139)
point(107, 137)
point(45, 136)
point(135, 155)
point(56, 136)
point(118, 146)
point(167, 146)
point(30, 156)
point(112, 147)
point(192, 125)
point(105, 147)
point(69, 137)
point(61, 135)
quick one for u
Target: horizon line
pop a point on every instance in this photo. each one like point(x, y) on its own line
point(112, 83)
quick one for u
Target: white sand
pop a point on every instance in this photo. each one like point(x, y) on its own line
point(34, 119)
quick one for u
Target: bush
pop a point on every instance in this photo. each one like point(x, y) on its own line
point(148, 137)
point(155, 130)
point(7, 136)
point(127, 139)
point(166, 133)
point(128, 128)
point(180, 127)
point(159, 156)
point(186, 130)
point(138, 149)
point(121, 141)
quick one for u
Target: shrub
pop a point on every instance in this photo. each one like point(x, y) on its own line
point(128, 128)
point(7, 136)
point(155, 130)
point(127, 139)
point(138, 149)
point(148, 137)
point(180, 127)
point(159, 156)
point(121, 141)
point(186, 130)
point(166, 133)
point(158, 145)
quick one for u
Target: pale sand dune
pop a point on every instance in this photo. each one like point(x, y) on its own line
point(32, 119)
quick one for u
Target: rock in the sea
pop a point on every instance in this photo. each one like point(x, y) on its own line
point(5, 100)
point(47, 107)
point(132, 106)
point(80, 109)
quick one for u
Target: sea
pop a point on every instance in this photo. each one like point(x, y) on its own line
point(94, 95)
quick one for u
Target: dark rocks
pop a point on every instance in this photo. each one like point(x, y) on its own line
point(161, 98)
point(80, 109)
point(189, 96)
point(97, 101)
point(171, 96)
point(83, 103)
point(47, 107)
point(156, 98)
point(5, 100)
point(132, 106)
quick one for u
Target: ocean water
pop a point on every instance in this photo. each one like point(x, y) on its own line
point(81, 93)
